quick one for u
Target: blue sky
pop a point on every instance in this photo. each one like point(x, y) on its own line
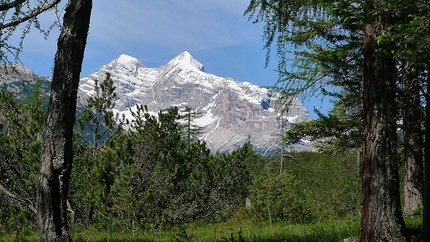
point(216, 33)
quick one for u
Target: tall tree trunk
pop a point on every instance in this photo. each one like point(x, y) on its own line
point(426, 193)
point(57, 153)
point(381, 215)
point(413, 141)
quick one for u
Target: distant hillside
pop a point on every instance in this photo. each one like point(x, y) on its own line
point(20, 81)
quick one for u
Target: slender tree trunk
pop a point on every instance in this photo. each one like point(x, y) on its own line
point(381, 215)
point(413, 141)
point(426, 193)
point(57, 154)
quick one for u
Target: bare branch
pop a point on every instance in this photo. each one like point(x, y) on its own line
point(19, 201)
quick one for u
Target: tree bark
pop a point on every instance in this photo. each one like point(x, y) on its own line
point(57, 153)
point(426, 193)
point(413, 141)
point(381, 215)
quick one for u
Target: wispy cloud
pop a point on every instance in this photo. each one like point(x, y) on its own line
point(150, 30)
point(170, 23)
point(154, 31)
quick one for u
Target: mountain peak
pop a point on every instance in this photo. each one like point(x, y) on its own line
point(128, 64)
point(230, 111)
point(16, 70)
point(126, 60)
point(186, 61)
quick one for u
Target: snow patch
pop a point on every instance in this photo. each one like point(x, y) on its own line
point(206, 119)
point(186, 61)
point(293, 119)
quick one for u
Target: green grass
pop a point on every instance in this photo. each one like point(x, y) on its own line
point(331, 231)
point(228, 231)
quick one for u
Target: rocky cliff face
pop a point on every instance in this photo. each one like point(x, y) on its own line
point(21, 80)
point(230, 110)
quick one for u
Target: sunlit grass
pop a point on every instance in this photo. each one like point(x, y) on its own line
point(228, 231)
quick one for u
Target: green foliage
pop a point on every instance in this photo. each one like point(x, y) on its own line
point(277, 196)
point(178, 179)
point(318, 45)
point(324, 187)
point(191, 131)
point(339, 131)
point(152, 173)
point(227, 231)
point(330, 183)
point(21, 126)
point(409, 33)
point(97, 117)
point(250, 158)
point(323, 54)
point(92, 176)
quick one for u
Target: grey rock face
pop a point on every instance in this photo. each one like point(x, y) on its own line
point(230, 110)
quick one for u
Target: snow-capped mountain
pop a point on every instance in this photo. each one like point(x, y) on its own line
point(230, 110)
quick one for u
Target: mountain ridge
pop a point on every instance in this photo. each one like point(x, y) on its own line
point(231, 110)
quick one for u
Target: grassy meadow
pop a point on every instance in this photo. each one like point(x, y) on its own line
point(316, 198)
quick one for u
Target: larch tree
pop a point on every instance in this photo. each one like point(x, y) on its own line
point(57, 153)
point(381, 215)
point(98, 117)
point(412, 117)
point(412, 33)
point(96, 124)
point(340, 45)
point(57, 150)
point(411, 69)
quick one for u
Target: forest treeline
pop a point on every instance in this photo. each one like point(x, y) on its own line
point(152, 172)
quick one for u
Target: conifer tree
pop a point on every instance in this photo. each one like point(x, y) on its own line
point(98, 116)
point(191, 131)
point(325, 42)
point(21, 126)
point(92, 169)
point(57, 155)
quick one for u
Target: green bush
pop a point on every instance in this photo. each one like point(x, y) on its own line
point(326, 187)
point(330, 183)
point(276, 196)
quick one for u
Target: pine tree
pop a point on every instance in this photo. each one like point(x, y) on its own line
point(191, 131)
point(21, 126)
point(320, 46)
point(95, 167)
